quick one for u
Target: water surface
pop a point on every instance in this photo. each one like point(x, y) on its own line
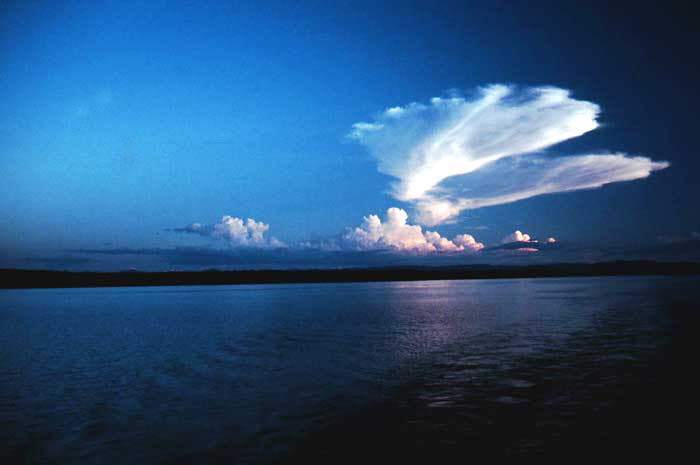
point(345, 372)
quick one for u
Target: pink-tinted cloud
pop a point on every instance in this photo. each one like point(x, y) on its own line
point(396, 233)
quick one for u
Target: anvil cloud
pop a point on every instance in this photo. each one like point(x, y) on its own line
point(455, 154)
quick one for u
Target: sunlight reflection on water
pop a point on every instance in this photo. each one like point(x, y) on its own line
point(246, 371)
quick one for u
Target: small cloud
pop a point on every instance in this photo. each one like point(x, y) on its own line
point(394, 111)
point(526, 250)
point(235, 231)
point(358, 129)
point(517, 236)
point(520, 242)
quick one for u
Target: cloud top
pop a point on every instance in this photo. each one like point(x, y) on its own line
point(426, 146)
point(517, 236)
point(395, 233)
point(238, 233)
point(520, 242)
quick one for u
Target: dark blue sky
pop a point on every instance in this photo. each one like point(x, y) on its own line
point(121, 122)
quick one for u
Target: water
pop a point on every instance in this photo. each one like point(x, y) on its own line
point(346, 372)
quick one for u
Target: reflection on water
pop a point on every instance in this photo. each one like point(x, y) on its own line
point(281, 372)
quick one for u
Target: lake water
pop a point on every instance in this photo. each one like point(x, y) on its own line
point(352, 372)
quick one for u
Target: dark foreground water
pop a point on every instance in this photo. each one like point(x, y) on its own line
point(354, 373)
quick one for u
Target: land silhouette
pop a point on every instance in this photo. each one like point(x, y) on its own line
point(22, 278)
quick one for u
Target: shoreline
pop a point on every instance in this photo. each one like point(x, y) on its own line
point(34, 279)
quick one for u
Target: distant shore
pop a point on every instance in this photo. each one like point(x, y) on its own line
point(23, 279)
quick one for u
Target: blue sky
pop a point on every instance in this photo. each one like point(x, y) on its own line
point(122, 122)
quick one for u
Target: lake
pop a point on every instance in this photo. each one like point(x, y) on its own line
point(351, 372)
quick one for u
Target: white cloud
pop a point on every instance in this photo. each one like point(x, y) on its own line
point(395, 233)
point(468, 242)
point(238, 233)
point(516, 179)
point(519, 241)
point(453, 140)
point(517, 236)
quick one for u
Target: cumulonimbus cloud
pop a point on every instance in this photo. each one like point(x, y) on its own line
point(455, 153)
point(238, 233)
point(521, 242)
point(395, 233)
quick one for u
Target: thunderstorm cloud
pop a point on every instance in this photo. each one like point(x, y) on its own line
point(456, 154)
point(397, 234)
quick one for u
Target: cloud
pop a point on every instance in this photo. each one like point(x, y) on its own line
point(395, 233)
point(520, 178)
point(238, 233)
point(454, 153)
point(532, 252)
point(525, 250)
point(520, 242)
point(517, 236)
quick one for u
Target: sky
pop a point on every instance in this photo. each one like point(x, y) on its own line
point(188, 135)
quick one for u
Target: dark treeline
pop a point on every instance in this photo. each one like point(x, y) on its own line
point(40, 278)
